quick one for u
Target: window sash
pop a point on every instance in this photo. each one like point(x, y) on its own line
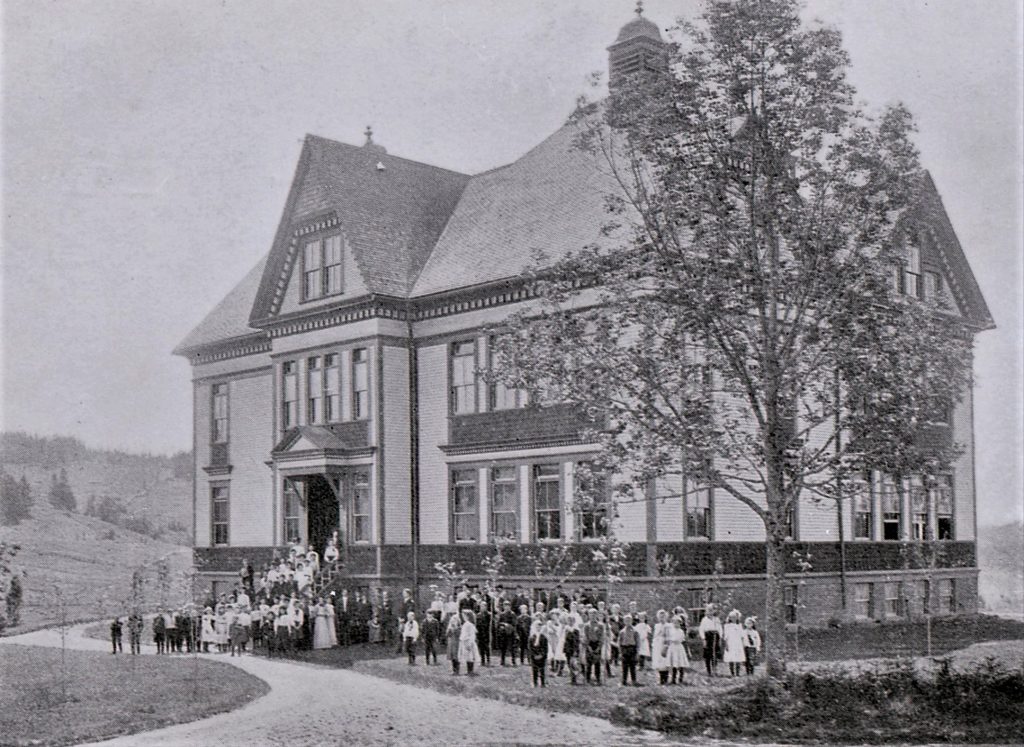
point(314, 389)
point(289, 395)
point(463, 377)
point(862, 599)
point(361, 504)
point(332, 388)
point(333, 265)
point(219, 515)
point(504, 503)
point(292, 514)
point(360, 384)
point(220, 413)
point(465, 521)
point(312, 274)
point(547, 502)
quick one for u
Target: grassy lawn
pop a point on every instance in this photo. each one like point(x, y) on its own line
point(107, 695)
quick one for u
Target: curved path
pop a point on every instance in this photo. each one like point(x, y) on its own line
point(315, 705)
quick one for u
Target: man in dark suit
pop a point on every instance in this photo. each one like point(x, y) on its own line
point(343, 614)
point(506, 632)
point(523, 624)
point(408, 605)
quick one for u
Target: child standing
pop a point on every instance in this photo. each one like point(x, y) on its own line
point(627, 645)
point(452, 634)
point(751, 644)
point(711, 634)
point(659, 647)
point(571, 646)
point(159, 633)
point(732, 640)
point(678, 661)
point(410, 634)
point(115, 636)
point(469, 651)
point(643, 636)
point(538, 646)
point(431, 631)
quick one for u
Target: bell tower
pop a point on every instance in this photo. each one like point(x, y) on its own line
point(638, 47)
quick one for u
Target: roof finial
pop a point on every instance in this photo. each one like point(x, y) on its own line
point(369, 135)
point(639, 7)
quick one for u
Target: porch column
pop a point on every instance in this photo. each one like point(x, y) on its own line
point(484, 503)
point(524, 503)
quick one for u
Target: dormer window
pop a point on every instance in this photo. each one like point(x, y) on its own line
point(322, 268)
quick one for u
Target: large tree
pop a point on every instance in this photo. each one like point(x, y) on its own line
point(747, 331)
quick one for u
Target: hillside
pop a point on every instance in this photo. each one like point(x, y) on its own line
point(1001, 559)
point(153, 490)
point(91, 562)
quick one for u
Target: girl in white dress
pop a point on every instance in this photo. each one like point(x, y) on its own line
point(220, 626)
point(732, 640)
point(643, 637)
point(751, 643)
point(208, 633)
point(678, 661)
point(332, 622)
point(469, 652)
point(659, 647)
point(559, 621)
point(321, 626)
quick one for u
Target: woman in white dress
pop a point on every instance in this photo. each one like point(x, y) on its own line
point(321, 627)
point(331, 553)
point(332, 620)
point(208, 633)
point(678, 661)
point(312, 561)
point(469, 652)
point(556, 642)
point(659, 647)
point(643, 638)
point(732, 642)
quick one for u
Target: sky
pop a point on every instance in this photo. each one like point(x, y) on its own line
point(147, 150)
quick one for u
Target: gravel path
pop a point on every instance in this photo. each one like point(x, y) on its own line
point(312, 705)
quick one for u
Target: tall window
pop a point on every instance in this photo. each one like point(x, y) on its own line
point(863, 518)
point(332, 388)
point(360, 385)
point(219, 497)
point(918, 597)
point(289, 395)
point(890, 510)
point(944, 507)
point(946, 590)
point(220, 413)
point(503, 397)
point(912, 272)
point(547, 502)
point(862, 600)
point(932, 284)
point(792, 601)
point(892, 599)
point(361, 507)
point(918, 509)
point(504, 503)
point(463, 386)
point(465, 521)
point(315, 390)
point(292, 512)
point(592, 491)
point(698, 512)
point(322, 268)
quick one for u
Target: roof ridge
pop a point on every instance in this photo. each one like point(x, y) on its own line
point(332, 141)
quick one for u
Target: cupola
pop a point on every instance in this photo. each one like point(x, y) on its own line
point(638, 47)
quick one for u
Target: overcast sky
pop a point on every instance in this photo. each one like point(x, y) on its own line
point(148, 149)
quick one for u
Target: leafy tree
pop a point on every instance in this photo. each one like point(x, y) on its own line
point(739, 323)
point(15, 499)
point(61, 496)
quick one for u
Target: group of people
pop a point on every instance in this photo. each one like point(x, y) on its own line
point(579, 637)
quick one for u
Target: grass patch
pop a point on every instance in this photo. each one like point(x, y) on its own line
point(893, 704)
point(342, 657)
point(108, 696)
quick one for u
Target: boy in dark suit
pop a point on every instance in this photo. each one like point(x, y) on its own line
point(431, 633)
point(538, 646)
point(523, 625)
point(506, 632)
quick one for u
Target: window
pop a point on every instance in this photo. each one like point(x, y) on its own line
point(932, 285)
point(503, 397)
point(791, 599)
point(504, 503)
point(547, 501)
point(315, 389)
point(463, 377)
point(465, 524)
point(918, 509)
point(890, 510)
point(332, 388)
point(862, 600)
point(698, 512)
point(219, 515)
point(361, 507)
point(790, 522)
point(917, 597)
point(912, 273)
point(292, 513)
point(220, 413)
point(321, 268)
point(592, 494)
point(360, 385)
point(944, 507)
point(946, 590)
point(862, 515)
point(892, 599)
point(289, 395)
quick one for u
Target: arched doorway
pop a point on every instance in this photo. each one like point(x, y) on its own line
point(322, 511)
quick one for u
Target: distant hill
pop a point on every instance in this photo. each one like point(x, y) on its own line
point(92, 563)
point(152, 493)
point(1001, 559)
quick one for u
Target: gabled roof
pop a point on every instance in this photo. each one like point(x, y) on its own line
point(391, 212)
point(552, 199)
point(963, 284)
point(313, 438)
point(230, 318)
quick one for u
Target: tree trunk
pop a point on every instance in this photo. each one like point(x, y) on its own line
point(775, 610)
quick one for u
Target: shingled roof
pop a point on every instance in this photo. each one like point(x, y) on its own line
point(391, 210)
point(230, 318)
point(551, 199)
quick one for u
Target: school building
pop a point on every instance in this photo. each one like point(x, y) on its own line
point(336, 387)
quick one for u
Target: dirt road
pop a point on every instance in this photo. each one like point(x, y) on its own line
point(312, 705)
